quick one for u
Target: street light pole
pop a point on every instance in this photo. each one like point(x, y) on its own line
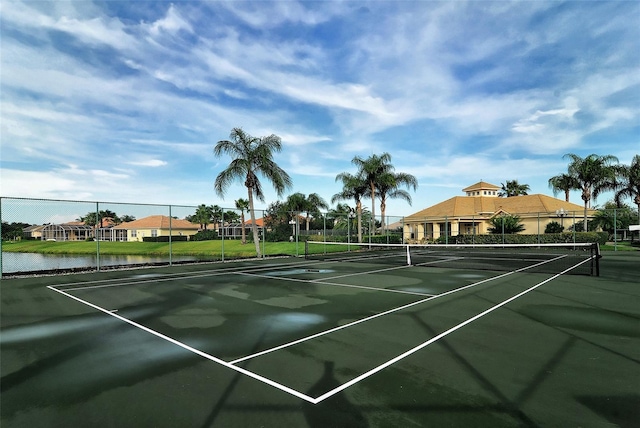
point(562, 213)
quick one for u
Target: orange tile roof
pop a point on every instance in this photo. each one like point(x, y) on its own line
point(157, 222)
point(259, 222)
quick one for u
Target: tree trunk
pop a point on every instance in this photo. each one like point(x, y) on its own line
point(372, 227)
point(254, 226)
point(244, 234)
point(383, 210)
point(359, 212)
point(566, 195)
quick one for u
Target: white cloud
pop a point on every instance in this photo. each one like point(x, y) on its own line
point(151, 163)
point(171, 23)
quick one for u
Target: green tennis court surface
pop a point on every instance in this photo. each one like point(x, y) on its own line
point(323, 343)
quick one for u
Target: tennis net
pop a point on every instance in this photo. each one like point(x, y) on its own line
point(579, 258)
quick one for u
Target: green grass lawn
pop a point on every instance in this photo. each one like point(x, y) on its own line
point(232, 248)
point(620, 246)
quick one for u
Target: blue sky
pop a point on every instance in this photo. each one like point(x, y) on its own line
point(124, 101)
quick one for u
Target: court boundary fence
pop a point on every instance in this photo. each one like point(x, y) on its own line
point(34, 218)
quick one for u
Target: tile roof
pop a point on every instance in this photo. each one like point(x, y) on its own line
point(158, 222)
point(467, 206)
point(481, 185)
point(259, 222)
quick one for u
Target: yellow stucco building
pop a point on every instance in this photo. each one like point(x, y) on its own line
point(153, 226)
point(471, 214)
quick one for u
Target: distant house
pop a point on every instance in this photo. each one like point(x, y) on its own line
point(33, 232)
point(234, 230)
point(153, 226)
point(471, 214)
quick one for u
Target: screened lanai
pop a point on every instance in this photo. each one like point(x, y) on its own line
point(66, 232)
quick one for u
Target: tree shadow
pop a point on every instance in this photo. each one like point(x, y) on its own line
point(336, 411)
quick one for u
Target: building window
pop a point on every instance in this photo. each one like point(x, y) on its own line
point(154, 233)
point(134, 233)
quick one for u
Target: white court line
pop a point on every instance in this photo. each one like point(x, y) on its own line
point(118, 282)
point(438, 337)
point(191, 349)
point(336, 284)
point(321, 280)
point(322, 333)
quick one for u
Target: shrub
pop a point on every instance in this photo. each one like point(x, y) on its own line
point(164, 238)
point(553, 227)
point(506, 223)
point(205, 235)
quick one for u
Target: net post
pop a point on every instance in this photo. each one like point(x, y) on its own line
point(306, 250)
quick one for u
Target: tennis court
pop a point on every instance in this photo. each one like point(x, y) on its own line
point(365, 340)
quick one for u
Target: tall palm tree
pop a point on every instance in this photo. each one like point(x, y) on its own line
point(370, 170)
point(353, 188)
point(594, 174)
point(629, 185)
point(513, 188)
point(563, 183)
point(388, 187)
point(251, 156)
point(242, 205)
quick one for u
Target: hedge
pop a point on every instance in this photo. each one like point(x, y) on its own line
point(164, 238)
point(547, 238)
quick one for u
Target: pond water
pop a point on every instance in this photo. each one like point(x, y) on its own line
point(32, 262)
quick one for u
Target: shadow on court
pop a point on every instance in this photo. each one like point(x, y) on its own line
point(509, 406)
point(336, 411)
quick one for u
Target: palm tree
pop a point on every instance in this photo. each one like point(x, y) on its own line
point(353, 188)
point(251, 156)
point(370, 170)
point(313, 206)
point(242, 205)
point(295, 204)
point(202, 216)
point(629, 185)
point(594, 174)
point(513, 188)
point(217, 216)
point(388, 187)
point(563, 183)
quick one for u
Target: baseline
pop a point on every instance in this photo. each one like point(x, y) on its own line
point(118, 282)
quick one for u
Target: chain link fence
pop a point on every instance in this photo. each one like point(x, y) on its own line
point(42, 235)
